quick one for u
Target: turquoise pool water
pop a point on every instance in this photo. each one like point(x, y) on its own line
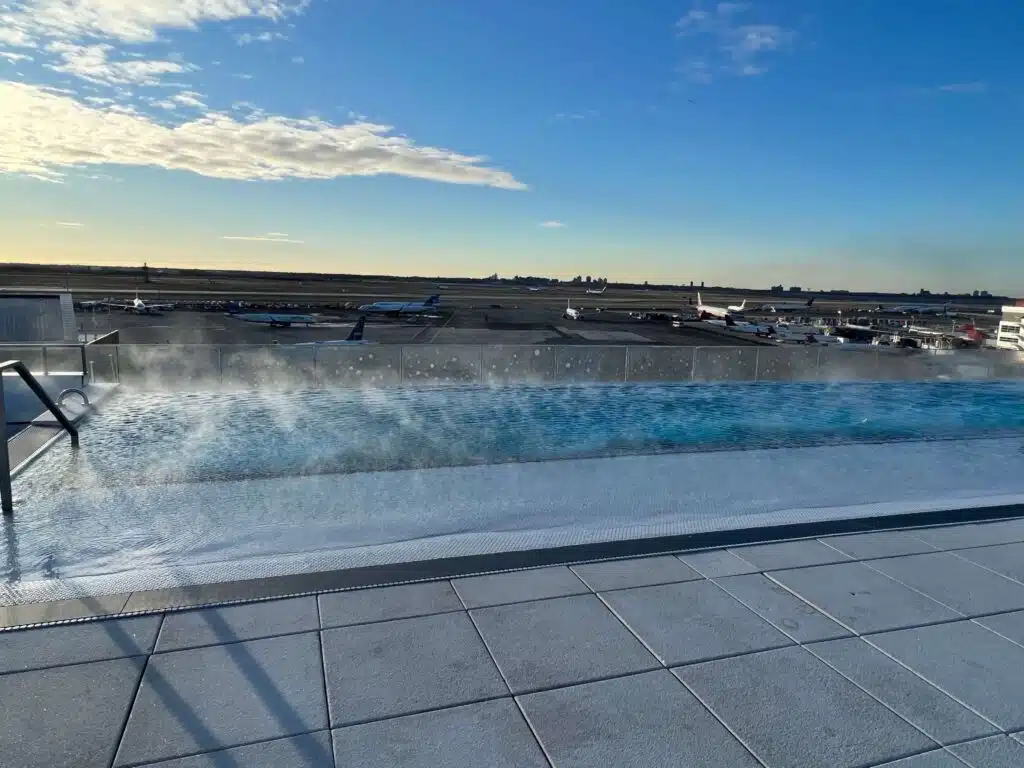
point(148, 438)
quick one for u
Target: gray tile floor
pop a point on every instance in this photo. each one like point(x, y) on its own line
point(902, 649)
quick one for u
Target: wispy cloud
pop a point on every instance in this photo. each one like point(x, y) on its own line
point(262, 37)
point(723, 44)
point(25, 22)
point(553, 224)
point(298, 60)
point(975, 87)
point(70, 224)
point(14, 57)
point(92, 63)
point(47, 131)
point(270, 237)
point(581, 115)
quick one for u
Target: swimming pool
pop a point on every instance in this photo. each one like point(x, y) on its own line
point(213, 485)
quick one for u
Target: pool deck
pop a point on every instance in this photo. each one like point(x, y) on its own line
point(900, 648)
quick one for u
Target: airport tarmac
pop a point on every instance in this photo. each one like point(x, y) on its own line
point(533, 325)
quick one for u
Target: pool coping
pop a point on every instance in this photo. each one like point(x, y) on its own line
point(78, 610)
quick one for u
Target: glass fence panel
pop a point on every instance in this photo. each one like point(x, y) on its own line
point(62, 359)
point(660, 364)
point(587, 363)
point(1007, 364)
point(441, 364)
point(268, 367)
point(378, 365)
point(159, 366)
point(101, 363)
point(514, 364)
point(794, 363)
point(725, 363)
point(839, 363)
point(32, 357)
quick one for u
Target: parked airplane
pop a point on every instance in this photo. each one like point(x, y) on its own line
point(572, 313)
point(739, 308)
point(273, 319)
point(396, 308)
point(596, 291)
point(139, 306)
point(789, 306)
point(706, 311)
point(355, 337)
point(917, 309)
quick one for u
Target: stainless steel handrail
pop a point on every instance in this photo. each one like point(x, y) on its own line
point(6, 497)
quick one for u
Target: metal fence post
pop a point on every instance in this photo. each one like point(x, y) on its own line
point(117, 364)
point(625, 366)
point(693, 363)
point(6, 495)
point(757, 362)
point(46, 363)
point(220, 366)
point(401, 365)
point(481, 379)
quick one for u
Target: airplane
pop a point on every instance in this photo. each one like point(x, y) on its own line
point(356, 337)
point(789, 306)
point(273, 319)
point(396, 308)
point(139, 306)
point(534, 288)
point(755, 328)
point(596, 291)
point(738, 308)
point(706, 311)
point(571, 313)
point(917, 309)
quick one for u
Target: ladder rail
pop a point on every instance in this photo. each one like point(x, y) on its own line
point(6, 497)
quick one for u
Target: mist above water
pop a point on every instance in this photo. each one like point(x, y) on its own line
point(142, 438)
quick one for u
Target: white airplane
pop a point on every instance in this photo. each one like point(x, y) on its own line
point(596, 291)
point(139, 306)
point(738, 308)
point(707, 311)
point(919, 309)
point(789, 306)
point(571, 313)
point(396, 308)
point(534, 288)
point(356, 337)
point(273, 319)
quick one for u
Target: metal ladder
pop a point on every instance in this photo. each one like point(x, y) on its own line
point(6, 498)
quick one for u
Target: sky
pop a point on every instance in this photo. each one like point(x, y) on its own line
point(869, 145)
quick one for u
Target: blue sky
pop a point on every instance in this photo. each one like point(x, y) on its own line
point(862, 144)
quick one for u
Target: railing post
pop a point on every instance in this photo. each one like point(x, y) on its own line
point(757, 362)
point(693, 364)
point(46, 364)
point(6, 497)
point(625, 367)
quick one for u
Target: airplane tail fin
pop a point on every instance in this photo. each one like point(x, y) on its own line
point(743, 305)
point(810, 301)
point(699, 302)
point(729, 322)
point(357, 330)
point(433, 300)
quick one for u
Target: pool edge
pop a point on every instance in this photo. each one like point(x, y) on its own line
point(78, 610)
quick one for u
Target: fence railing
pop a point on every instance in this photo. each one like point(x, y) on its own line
point(322, 366)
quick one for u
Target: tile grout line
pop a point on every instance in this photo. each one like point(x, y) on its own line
point(164, 760)
point(720, 720)
point(323, 678)
point(956, 553)
point(494, 661)
point(771, 623)
point(864, 638)
point(135, 695)
point(622, 621)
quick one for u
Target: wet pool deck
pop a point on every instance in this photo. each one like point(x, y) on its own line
point(895, 648)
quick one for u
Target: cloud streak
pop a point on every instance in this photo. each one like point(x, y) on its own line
point(553, 225)
point(270, 237)
point(70, 224)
